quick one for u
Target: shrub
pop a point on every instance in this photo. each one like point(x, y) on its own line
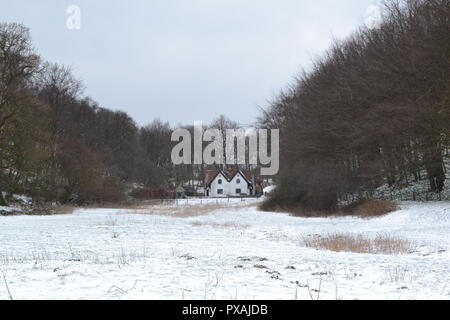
point(367, 208)
point(152, 193)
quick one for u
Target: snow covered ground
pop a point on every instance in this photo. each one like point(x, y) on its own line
point(233, 253)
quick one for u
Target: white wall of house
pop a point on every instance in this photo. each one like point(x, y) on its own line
point(238, 182)
point(219, 183)
point(229, 189)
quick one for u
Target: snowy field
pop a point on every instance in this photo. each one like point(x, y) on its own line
point(227, 253)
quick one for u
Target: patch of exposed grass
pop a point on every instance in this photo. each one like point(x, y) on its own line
point(340, 242)
point(189, 211)
point(369, 208)
point(51, 210)
point(226, 225)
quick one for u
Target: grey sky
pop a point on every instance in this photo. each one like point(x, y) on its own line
point(186, 60)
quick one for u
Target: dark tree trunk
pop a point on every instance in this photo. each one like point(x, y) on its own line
point(2, 200)
point(436, 176)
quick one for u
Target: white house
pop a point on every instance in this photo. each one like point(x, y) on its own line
point(229, 183)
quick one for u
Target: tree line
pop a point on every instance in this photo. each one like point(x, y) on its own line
point(374, 110)
point(59, 146)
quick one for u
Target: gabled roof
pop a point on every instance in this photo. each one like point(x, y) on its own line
point(210, 176)
point(228, 174)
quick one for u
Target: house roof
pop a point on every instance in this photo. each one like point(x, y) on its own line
point(228, 174)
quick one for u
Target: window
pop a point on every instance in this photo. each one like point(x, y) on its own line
point(238, 181)
point(220, 191)
point(220, 181)
point(238, 191)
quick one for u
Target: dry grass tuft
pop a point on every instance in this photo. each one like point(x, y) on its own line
point(381, 244)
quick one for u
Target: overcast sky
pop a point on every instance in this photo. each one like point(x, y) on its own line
point(186, 60)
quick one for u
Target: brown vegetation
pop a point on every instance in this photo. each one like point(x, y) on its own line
point(152, 193)
point(365, 208)
point(381, 244)
point(369, 208)
point(188, 211)
point(226, 225)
